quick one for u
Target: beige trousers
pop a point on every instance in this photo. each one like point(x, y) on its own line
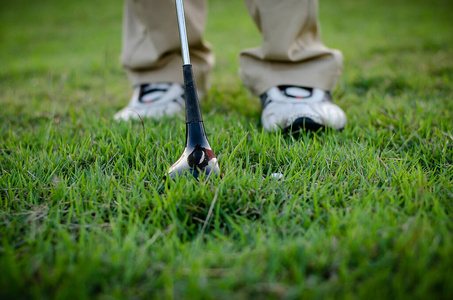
point(292, 52)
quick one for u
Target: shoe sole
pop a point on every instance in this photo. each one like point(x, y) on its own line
point(303, 124)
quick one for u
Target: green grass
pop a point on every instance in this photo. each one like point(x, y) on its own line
point(361, 214)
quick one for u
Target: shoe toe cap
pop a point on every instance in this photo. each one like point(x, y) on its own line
point(153, 112)
point(283, 116)
point(126, 114)
point(331, 115)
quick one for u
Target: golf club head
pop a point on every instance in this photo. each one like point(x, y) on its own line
point(198, 157)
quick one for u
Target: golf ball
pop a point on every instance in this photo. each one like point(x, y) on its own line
point(277, 175)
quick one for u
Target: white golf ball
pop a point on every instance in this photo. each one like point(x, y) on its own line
point(277, 175)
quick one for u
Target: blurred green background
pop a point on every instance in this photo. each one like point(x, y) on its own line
point(365, 213)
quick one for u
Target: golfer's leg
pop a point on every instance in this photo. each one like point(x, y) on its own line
point(292, 52)
point(292, 71)
point(151, 48)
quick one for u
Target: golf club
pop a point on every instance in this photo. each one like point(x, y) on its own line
point(198, 157)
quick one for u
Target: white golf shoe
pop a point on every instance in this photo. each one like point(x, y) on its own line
point(154, 100)
point(293, 108)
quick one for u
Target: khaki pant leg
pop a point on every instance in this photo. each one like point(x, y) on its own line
point(292, 52)
point(151, 50)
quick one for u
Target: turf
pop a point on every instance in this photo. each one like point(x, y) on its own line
point(359, 214)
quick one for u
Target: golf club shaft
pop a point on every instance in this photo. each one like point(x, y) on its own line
point(182, 32)
point(193, 113)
